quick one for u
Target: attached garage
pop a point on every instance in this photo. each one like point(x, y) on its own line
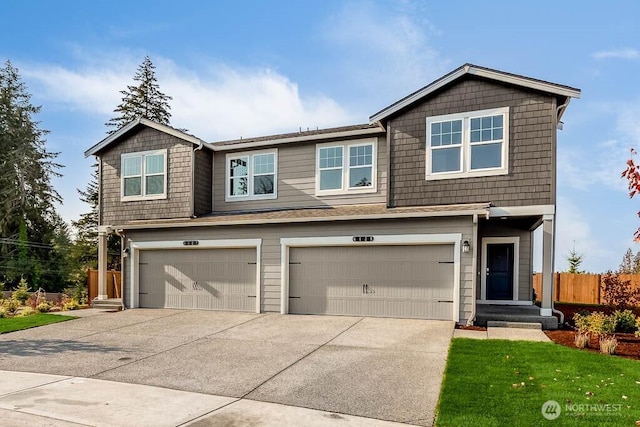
point(208, 278)
point(411, 281)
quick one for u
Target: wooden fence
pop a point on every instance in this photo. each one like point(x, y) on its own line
point(114, 284)
point(579, 288)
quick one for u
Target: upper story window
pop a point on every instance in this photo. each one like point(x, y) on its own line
point(144, 175)
point(468, 144)
point(346, 167)
point(251, 176)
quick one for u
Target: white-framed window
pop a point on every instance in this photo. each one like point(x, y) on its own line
point(346, 167)
point(468, 144)
point(251, 176)
point(144, 175)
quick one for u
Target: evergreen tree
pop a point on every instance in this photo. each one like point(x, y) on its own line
point(574, 259)
point(27, 213)
point(142, 100)
point(630, 263)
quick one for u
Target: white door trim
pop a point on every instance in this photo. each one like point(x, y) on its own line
point(454, 239)
point(136, 247)
point(516, 270)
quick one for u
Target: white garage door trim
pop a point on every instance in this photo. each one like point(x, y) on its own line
point(378, 240)
point(135, 247)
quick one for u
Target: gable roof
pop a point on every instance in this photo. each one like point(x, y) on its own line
point(476, 70)
point(141, 121)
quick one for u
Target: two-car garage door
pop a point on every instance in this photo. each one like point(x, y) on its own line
point(385, 281)
point(212, 279)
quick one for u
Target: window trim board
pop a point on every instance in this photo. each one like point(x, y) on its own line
point(346, 189)
point(250, 176)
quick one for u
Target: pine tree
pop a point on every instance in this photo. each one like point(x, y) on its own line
point(141, 100)
point(27, 211)
point(144, 100)
point(574, 259)
point(626, 266)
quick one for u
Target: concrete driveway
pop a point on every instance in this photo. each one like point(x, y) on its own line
point(388, 369)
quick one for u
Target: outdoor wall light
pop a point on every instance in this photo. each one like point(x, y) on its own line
point(125, 252)
point(466, 246)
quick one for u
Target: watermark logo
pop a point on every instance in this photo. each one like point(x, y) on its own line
point(551, 409)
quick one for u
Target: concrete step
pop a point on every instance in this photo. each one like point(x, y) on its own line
point(518, 325)
point(107, 304)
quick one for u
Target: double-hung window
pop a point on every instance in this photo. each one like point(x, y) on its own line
point(144, 175)
point(345, 168)
point(251, 175)
point(468, 144)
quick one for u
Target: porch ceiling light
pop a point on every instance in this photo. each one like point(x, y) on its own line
point(466, 246)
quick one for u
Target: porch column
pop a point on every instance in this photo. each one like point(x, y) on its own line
point(102, 263)
point(547, 265)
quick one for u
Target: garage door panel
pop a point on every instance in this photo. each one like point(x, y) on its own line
point(386, 281)
point(213, 279)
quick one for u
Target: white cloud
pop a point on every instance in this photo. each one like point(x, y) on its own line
point(387, 49)
point(216, 102)
point(572, 228)
point(627, 53)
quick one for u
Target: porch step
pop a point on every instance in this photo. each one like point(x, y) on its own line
point(114, 304)
point(519, 325)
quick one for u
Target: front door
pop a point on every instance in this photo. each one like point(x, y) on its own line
point(499, 272)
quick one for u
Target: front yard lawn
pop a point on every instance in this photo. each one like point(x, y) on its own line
point(18, 323)
point(506, 383)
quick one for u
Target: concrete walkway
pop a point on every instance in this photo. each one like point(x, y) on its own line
point(512, 334)
point(55, 400)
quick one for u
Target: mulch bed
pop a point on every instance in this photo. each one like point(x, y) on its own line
point(470, 327)
point(628, 344)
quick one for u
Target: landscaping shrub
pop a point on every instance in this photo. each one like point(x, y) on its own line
point(625, 321)
point(43, 307)
point(619, 293)
point(600, 324)
point(27, 311)
point(78, 293)
point(582, 340)
point(9, 307)
point(608, 345)
point(581, 320)
point(21, 293)
point(637, 326)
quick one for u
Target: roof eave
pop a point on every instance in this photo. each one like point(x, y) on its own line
point(477, 71)
point(354, 217)
point(149, 123)
point(301, 138)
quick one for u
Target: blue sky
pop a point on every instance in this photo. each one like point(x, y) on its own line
point(246, 68)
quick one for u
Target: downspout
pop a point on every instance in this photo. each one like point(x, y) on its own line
point(559, 111)
point(123, 239)
point(192, 198)
point(474, 266)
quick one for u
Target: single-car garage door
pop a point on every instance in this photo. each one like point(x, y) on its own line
point(384, 281)
point(210, 279)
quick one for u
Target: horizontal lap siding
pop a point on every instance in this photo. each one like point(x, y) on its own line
point(531, 149)
point(178, 201)
point(271, 234)
point(296, 181)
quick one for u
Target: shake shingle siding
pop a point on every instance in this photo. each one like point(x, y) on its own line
point(202, 184)
point(531, 149)
point(178, 202)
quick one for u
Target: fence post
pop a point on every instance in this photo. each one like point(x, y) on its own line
point(599, 289)
point(556, 288)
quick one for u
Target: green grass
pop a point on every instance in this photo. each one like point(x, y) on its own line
point(505, 383)
point(32, 321)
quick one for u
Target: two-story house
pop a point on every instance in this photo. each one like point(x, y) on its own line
point(425, 212)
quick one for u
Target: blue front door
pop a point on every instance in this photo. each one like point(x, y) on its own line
point(500, 271)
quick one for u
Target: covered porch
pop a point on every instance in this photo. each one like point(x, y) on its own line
point(504, 257)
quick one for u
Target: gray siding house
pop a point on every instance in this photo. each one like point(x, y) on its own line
point(427, 211)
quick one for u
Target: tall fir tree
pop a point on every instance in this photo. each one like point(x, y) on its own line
point(143, 99)
point(28, 219)
point(630, 263)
